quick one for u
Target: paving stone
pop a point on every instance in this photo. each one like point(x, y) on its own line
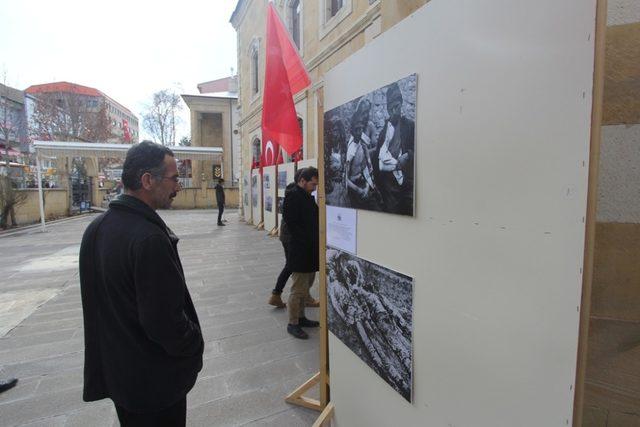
point(42, 406)
point(58, 421)
point(71, 379)
point(25, 388)
point(98, 414)
point(12, 342)
point(40, 351)
point(54, 364)
point(288, 418)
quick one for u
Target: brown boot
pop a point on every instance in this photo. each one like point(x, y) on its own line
point(276, 301)
point(310, 302)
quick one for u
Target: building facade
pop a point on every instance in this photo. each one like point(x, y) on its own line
point(326, 33)
point(77, 99)
point(14, 130)
point(214, 123)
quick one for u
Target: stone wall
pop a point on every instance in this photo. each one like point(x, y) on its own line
point(56, 205)
point(196, 198)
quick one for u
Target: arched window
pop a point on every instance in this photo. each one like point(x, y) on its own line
point(256, 148)
point(295, 22)
point(255, 67)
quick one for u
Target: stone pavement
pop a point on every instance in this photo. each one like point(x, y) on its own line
point(250, 364)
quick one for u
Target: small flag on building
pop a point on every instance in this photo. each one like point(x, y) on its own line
point(125, 130)
point(285, 76)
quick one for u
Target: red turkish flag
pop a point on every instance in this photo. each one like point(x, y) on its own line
point(125, 130)
point(285, 76)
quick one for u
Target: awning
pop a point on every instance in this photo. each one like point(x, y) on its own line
point(89, 149)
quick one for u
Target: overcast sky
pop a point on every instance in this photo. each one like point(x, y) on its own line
point(127, 49)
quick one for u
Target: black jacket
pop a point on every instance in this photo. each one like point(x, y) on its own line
point(219, 194)
point(143, 345)
point(285, 235)
point(301, 217)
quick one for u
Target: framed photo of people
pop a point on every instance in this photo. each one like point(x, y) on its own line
point(369, 146)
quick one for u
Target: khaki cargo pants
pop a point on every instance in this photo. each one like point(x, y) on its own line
point(298, 295)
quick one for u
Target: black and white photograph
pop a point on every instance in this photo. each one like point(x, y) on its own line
point(371, 311)
point(246, 199)
point(280, 204)
point(254, 191)
point(268, 204)
point(267, 181)
point(282, 180)
point(369, 145)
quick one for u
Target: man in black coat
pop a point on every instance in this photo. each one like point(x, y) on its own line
point(301, 217)
point(143, 344)
point(220, 200)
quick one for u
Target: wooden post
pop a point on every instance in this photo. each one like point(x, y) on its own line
point(590, 220)
point(322, 377)
point(324, 336)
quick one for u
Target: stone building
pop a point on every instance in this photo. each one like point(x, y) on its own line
point(326, 32)
point(214, 120)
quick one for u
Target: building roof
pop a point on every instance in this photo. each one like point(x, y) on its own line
point(81, 149)
point(224, 95)
point(219, 85)
point(63, 87)
point(67, 87)
point(14, 95)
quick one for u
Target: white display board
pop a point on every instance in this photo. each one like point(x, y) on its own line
point(269, 197)
point(246, 197)
point(496, 245)
point(256, 197)
point(286, 172)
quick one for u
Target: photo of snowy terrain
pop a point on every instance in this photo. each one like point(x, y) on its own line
point(370, 310)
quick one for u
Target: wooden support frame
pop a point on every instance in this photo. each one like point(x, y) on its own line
point(325, 416)
point(322, 377)
point(590, 219)
point(297, 396)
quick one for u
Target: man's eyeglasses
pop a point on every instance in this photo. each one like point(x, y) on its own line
point(172, 178)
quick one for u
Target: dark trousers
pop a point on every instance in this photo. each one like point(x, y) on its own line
point(284, 274)
point(220, 211)
point(174, 416)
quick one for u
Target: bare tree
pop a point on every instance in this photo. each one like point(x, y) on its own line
point(68, 116)
point(161, 117)
point(13, 130)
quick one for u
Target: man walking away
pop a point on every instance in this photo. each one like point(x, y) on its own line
point(220, 200)
point(301, 217)
point(143, 344)
point(276, 295)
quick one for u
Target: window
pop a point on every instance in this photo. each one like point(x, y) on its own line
point(255, 68)
point(333, 7)
point(295, 22)
point(332, 12)
point(256, 148)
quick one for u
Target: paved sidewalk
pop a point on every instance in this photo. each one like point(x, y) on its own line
point(250, 361)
